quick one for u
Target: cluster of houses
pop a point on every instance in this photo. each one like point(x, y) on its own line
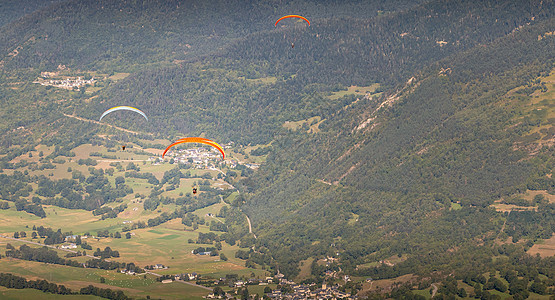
point(252, 166)
point(187, 276)
point(156, 267)
point(183, 277)
point(200, 157)
point(68, 246)
point(70, 239)
point(301, 291)
point(68, 83)
point(130, 272)
point(297, 291)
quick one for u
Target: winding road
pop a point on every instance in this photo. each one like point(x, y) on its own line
point(250, 226)
point(434, 289)
point(248, 219)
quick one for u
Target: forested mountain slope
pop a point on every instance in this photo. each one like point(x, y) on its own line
point(123, 34)
point(329, 55)
point(459, 132)
point(11, 10)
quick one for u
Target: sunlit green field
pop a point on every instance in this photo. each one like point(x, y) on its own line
point(10, 294)
point(77, 278)
point(356, 90)
point(168, 244)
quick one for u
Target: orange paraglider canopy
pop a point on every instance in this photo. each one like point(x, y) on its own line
point(292, 16)
point(196, 140)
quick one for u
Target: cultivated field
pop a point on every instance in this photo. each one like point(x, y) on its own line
point(544, 248)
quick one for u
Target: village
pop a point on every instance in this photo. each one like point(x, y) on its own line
point(286, 289)
point(199, 156)
point(67, 83)
point(203, 158)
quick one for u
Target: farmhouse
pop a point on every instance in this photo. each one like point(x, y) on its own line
point(239, 283)
point(70, 246)
point(71, 237)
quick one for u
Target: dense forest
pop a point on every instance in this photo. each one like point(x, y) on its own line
point(459, 118)
point(446, 142)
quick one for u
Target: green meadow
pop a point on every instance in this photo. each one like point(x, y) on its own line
point(77, 278)
point(16, 294)
point(354, 90)
point(168, 243)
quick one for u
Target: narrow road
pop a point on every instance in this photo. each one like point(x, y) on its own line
point(94, 257)
point(434, 291)
point(250, 226)
point(323, 181)
point(248, 219)
point(35, 243)
point(216, 169)
point(105, 124)
point(503, 227)
point(214, 217)
point(120, 160)
point(182, 281)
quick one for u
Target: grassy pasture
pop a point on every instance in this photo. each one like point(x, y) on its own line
point(175, 290)
point(455, 206)
point(424, 293)
point(156, 170)
point(295, 125)
point(501, 207)
point(500, 294)
point(385, 284)
point(304, 266)
point(77, 220)
point(469, 289)
point(76, 278)
point(60, 171)
point(369, 265)
point(61, 253)
point(231, 197)
point(264, 80)
point(25, 156)
point(540, 106)
point(256, 159)
point(544, 248)
point(529, 195)
point(119, 76)
point(84, 151)
point(167, 243)
point(549, 82)
point(353, 89)
point(9, 294)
